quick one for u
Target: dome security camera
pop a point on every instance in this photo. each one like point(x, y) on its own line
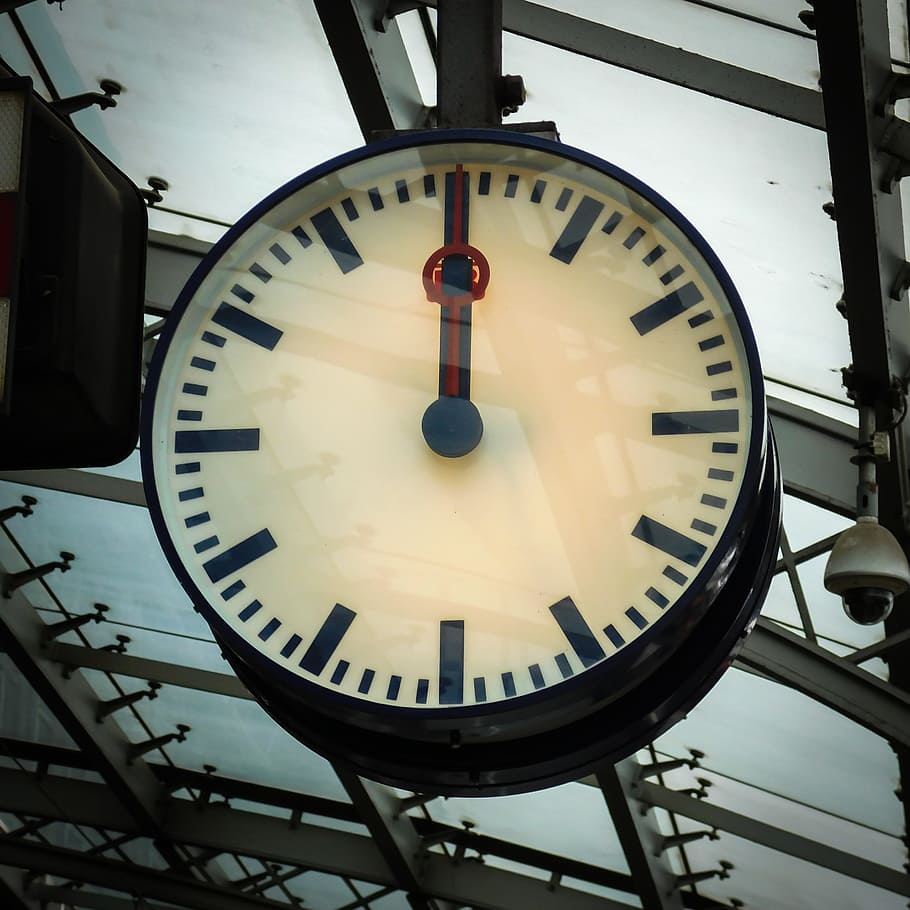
point(867, 568)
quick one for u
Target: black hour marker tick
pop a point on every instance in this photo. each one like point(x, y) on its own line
point(684, 423)
point(451, 662)
point(336, 239)
point(246, 326)
point(327, 639)
point(577, 229)
point(668, 541)
point(662, 311)
point(241, 554)
point(577, 632)
point(199, 441)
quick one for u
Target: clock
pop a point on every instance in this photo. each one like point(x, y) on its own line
point(459, 444)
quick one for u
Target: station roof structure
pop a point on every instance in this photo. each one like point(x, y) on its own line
point(787, 786)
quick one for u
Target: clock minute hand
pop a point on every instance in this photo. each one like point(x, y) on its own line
point(455, 276)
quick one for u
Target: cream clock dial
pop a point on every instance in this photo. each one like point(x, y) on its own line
point(456, 441)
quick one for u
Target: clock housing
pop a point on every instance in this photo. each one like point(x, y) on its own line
point(459, 444)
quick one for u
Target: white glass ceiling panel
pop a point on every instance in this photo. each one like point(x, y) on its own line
point(781, 12)
point(237, 737)
point(22, 713)
point(224, 105)
point(789, 815)
point(15, 55)
point(181, 650)
point(762, 877)
point(807, 523)
point(744, 720)
point(321, 890)
point(576, 825)
point(752, 184)
point(713, 33)
point(118, 559)
point(780, 603)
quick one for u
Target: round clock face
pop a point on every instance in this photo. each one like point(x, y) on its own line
point(453, 430)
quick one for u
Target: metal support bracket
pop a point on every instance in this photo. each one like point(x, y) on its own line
point(104, 99)
point(688, 837)
point(693, 878)
point(25, 509)
point(672, 764)
point(106, 708)
point(14, 580)
point(55, 630)
point(156, 742)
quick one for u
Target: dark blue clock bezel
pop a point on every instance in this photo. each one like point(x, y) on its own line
point(619, 671)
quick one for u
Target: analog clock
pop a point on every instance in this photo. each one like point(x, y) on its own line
point(459, 443)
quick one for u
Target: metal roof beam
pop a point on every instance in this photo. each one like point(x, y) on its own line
point(73, 701)
point(854, 55)
point(128, 878)
point(640, 838)
point(82, 483)
point(786, 658)
point(11, 891)
point(662, 61)
point(373, 64)
point(379, 808)
point(776, 838)
point(88, 900)
point(271, 839)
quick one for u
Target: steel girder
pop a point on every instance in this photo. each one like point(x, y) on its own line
point(640, 838)
point(373, 64)
point(662, 61)
point(859, 91)
point(461, 881)
point(758, 832)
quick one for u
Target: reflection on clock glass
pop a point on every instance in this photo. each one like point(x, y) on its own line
point(444, 429)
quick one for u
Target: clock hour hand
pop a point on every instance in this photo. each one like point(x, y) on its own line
point(455, 276)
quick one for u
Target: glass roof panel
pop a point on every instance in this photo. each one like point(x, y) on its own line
point(223, 133)
point(577, 826)
point(786, 52)
point(753, 185)
point(762, 877)
point(15, 55)
point(22, 713)
point(741, 724)
point(119, 563)
point(807, 523)
point(780, 603)
point(831, 829)
point(234, 735)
